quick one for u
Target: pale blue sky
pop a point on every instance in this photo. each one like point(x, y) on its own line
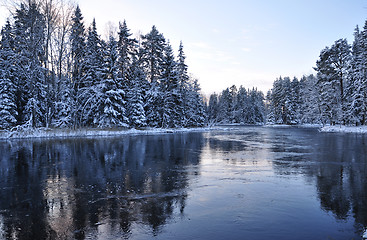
point(248, 42)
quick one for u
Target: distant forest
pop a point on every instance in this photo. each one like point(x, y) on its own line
point(336, 95)
point(57, 72)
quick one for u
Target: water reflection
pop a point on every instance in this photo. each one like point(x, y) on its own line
point(342, 176)
point(138, 186)
point(66, 189)
point(335, 163)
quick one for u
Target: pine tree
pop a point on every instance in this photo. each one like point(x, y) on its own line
point(78, 48)
point(310, 100)
point(153, 46)
point(332, 67)
point(126, 47)
point(242, 106)
point(224, 106)
point(196, 111)
point(183, 84)
point(8, 108)
point(64, 104)
point(111, 106)
point(169, 89)
point(135, 95)
point(294, 105)
point(89, 92)
point(30, 45)
point(357, 81)
point(213, 109)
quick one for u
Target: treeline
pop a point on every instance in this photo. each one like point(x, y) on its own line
point(338, 93)
point(55, 72)
point(293, 101)
point(237, 106)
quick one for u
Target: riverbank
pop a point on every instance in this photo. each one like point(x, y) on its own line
point(344, 129)
point(30, 133)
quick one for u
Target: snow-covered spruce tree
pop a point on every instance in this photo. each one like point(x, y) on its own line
point(30, 45)
point(213, 109)
point(196, 116)
point(77, 41)
point(153, 47)
point(170, 92)
point(135, 95)
point(278, 101)
point(357, 80)
point(257, 99)
point(8, 108)
point(183, 84)
point(283, 109)
point(294, 105)
point(89, 92)
point(241, 105)
point(126, 48)
point(233, 104)
point(64, 104)
point(269, 107)
point(110, 109)
point(310, 100)
point(224, 106)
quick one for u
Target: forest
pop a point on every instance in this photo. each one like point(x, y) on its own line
point(57, 72)
point(336, 94)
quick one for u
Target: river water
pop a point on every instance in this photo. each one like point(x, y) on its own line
point(239, 183)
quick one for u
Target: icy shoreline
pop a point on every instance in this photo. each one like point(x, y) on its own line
point(39, 133)
point(344, 129)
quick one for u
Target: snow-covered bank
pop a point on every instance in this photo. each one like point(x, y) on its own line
point(297, 125)
point(344, 129)
point(68, 133)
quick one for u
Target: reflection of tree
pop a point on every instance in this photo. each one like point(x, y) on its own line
point(341, 176)
point(82, 187)
point(338, 163)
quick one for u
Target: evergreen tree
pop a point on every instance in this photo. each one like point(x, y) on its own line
point(136, 95)
point(8, 108)
point(126, 47)
point(78, 48)
point(357, 80)
point(169, 89)
point(310, 100)
point(64, 104)
point(111, 106)
point(332, 67)
point(183, 84)
point(213, 109)
point(153, 46)
point(196, 111)
point(232, 103)
point(29, 44)
point(224, 106)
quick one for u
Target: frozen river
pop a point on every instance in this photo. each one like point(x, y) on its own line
point(243, 183)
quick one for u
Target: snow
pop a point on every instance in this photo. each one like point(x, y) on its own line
point(297, 125)
point(344, 129)
point(365, 234)
point(68, 133)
